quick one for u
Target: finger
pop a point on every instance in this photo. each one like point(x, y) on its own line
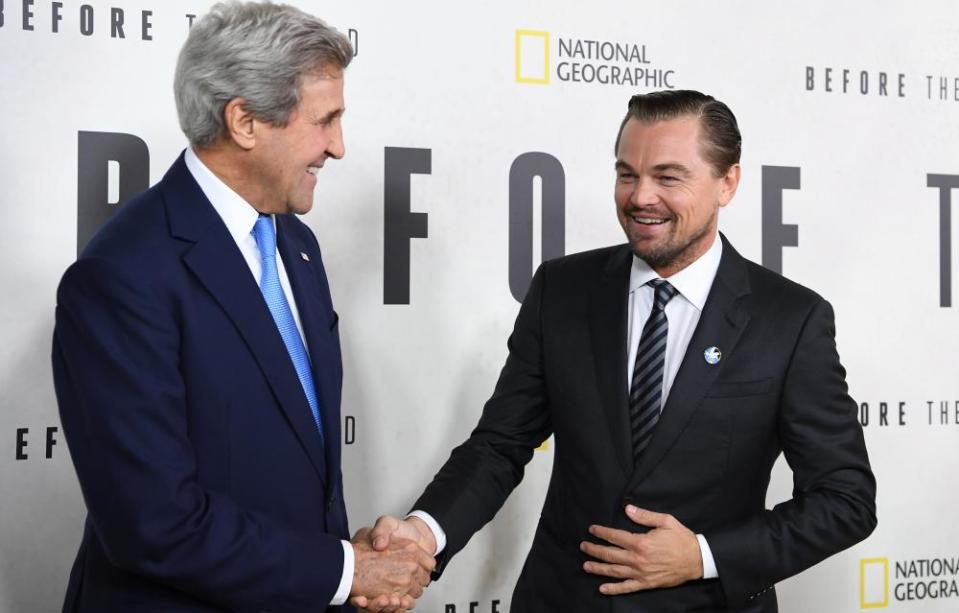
point(381, 604)
point(616, 571)
point(617, 537)
point(611, 555)
point(383, 531)
point(420, 578)
point(408, 603)
point(359, 602)
point(622, 587)
point(645, 517)
point(416, 590)
point(425, 560)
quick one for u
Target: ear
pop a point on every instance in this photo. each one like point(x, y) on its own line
point(729, 183)
point(239, 123)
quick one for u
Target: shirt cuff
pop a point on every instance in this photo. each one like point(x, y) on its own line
point(438, 532)
point(346, 581)
point(709, 564)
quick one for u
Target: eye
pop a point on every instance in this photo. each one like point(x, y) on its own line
point(625, 177)
point(668, 179)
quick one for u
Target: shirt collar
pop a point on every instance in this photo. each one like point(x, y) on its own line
point(693, 282)
point(238, 214)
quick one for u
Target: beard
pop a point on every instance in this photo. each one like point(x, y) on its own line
point(675, 252)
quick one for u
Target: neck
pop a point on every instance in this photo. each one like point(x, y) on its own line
point(693, 252)
point(228, 162)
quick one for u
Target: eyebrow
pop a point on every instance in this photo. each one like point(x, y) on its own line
point(675, 167)
point(331, 115)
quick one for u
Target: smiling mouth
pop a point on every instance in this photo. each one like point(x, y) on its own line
point(648, 221)
point(313, 170)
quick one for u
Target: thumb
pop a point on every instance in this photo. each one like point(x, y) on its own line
point(645, 517)
point(383, 531)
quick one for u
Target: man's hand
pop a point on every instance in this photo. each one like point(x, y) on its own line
point(413, 529)
point(666, 556)
point(390, 579)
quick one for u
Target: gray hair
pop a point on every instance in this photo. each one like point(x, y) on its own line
point(258, 51)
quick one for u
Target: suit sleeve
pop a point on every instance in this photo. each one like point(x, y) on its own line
point(123, 407)
point(481, 473)
point(833, 504)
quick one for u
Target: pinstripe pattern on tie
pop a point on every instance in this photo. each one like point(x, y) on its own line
point(646, 389)
point(265, 235)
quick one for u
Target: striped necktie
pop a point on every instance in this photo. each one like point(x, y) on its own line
point(265, 235)
point(646, 390)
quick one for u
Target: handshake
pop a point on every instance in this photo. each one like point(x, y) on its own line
point(393, 562)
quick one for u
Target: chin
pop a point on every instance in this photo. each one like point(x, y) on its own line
point(300, 209)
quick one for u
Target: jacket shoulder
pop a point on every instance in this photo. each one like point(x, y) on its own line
point(135, 228)
point(780, 294)
point(592, 262)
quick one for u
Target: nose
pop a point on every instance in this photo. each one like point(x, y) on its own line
point(336, 149)
point(644, 192)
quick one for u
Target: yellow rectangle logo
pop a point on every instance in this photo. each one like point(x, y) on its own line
point(532, 57)
point(873, 583)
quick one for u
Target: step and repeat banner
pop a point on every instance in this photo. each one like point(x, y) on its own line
point(464, 119)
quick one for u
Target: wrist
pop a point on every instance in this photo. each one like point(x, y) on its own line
point(697, 569)
point(427, 540)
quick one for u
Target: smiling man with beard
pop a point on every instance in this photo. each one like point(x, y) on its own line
point(673, 373)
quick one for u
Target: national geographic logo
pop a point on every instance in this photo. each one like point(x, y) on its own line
point(93, 20)
point(586, 61)
point(912, 580)
point(880, 83)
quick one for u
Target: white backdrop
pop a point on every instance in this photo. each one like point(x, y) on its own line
point(443, 76)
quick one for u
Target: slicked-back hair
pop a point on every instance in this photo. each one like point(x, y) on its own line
point(257, 51)
point(721, 140)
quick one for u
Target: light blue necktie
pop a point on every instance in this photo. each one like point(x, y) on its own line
point(265, 236)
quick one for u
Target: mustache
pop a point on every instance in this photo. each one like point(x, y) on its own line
point(636, 211)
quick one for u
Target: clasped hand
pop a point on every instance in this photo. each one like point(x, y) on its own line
point(394, 560)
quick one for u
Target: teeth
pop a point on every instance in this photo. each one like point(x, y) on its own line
point(313, 170)
point(648, 220)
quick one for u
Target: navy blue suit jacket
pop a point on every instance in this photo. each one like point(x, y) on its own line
point(207, 485)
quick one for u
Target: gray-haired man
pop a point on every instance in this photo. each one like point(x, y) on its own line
point(196, 354)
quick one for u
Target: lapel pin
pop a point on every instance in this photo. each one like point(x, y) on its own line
point(713, 355)
point(305, 257)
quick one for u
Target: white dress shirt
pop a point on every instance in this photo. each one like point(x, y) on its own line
point(682, 312)
point(239, 216)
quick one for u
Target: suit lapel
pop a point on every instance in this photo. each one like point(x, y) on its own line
point(721, 324)
point(607, 325)
point(217, 262)
point(312, 302)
